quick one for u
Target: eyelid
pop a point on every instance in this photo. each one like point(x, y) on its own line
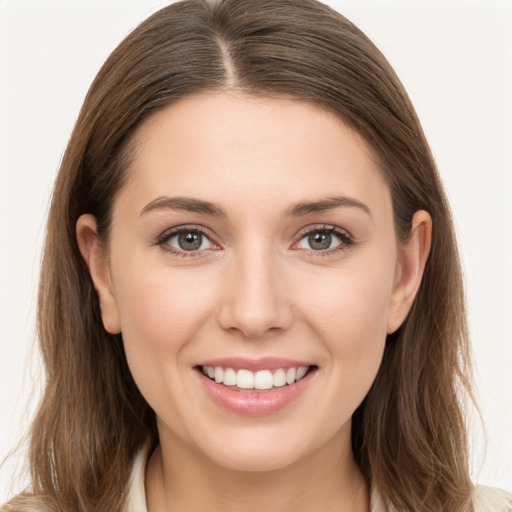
point(175, 230)
point(345, 236)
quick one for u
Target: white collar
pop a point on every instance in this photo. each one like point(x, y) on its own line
point(136, 499)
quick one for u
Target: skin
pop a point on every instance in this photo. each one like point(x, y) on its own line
point(257, 289)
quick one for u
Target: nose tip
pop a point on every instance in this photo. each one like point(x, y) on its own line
point(255, 304)
point(252, 326)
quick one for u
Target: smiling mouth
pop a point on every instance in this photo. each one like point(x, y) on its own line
point(255, 381)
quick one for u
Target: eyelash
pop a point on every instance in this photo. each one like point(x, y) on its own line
point(168, 234)
point(346, 239)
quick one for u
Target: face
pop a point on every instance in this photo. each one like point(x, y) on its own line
point(253, 242)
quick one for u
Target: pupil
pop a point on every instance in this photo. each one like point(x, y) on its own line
point(190, 241)
point(320, 240)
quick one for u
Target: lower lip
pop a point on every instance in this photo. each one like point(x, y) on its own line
point(254, 403)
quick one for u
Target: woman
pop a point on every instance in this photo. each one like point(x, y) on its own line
point(251, 295)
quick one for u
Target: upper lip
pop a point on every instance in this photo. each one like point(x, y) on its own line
point(263, 363)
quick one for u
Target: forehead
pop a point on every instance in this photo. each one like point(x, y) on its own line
point(235, 146)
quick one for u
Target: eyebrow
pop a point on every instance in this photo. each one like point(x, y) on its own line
point(307, 207)
point(207, 208)
point(183, 203)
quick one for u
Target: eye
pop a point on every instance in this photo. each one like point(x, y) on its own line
point(324, 239)
point(186, 240)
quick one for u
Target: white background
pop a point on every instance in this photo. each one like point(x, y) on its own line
point(455, 59)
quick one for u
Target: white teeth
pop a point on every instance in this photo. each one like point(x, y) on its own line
point(229, 377)
point(291, 373)
point(244, 379)
point(301, 371)
point(261, 380)
point(279, 378)
point(219, 374)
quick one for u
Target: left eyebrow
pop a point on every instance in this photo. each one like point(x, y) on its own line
point(306, 207)
point(184, 203)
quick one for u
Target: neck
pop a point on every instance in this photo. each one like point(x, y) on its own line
point(179, 478)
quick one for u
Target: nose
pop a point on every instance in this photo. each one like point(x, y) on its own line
point(255, 299)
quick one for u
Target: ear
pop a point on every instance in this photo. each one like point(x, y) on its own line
point(96, 259)
point(411, 264)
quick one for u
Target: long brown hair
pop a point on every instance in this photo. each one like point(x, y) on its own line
point(408, 434)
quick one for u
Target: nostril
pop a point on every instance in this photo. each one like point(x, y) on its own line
point(253, 310)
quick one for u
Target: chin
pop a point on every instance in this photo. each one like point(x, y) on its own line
point(257, 459)
point(266, 448)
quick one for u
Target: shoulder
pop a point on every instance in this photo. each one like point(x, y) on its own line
point(491, 499)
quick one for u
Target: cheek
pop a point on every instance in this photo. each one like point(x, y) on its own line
point(353, 298)
point(348, 311)
point(161, 313)
point(160, 309)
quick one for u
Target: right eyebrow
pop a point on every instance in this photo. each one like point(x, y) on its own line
point(188, 204)
point(307, 207)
